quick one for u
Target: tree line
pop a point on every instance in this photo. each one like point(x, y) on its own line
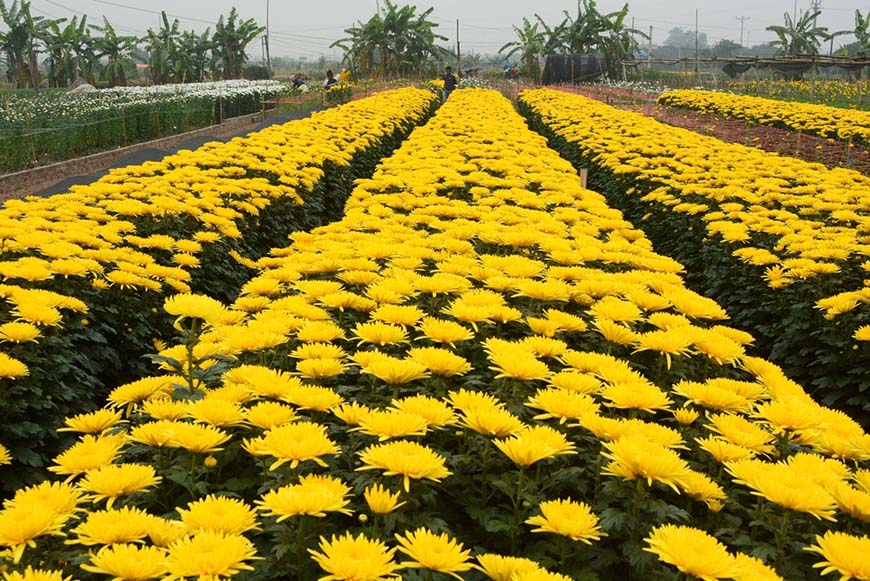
point(74, 49)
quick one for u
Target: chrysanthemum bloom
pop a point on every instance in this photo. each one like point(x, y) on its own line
point(313, 397)
point(387, 424)
point(538, 575)
point(844, 554)
point(15, 332)
point(381, 500)
point(210, 555)
point(89, 453)
point(442, 331)
point(692, 551)
point(319, 332)
point(701, 487)
point(318, 351)
point(378, 333)
point(315, 495)
point(396, 371)
point(21, 525)
point(434, 552)
point(636, 395)
point(197, 438)
point(567, 518)
point(194, 306)
point(106, 527)
point(686, 416)
point(535, 443)
point(128, 561)
point(269, 414)
point(320, 368)
point(616, 310)
point(5, 458)
point(297, 442)
point(723, 450)
point(501, 568)
point(512, 360)
point(634, 456)
point(440, 361)
point(711, 396)
point(491, 421)
point(852, 501)
point(788, 487)
point(437, 413)
point(31, 574)
point(10, 368)
point(216, 412)
point(405, 315)
point(575, 381)
point(561, 405)
point(466, 399)
point(406, 459)
point(163, 532)
point(790, 414)
point(92, 423)
point(351, 413)
point(218, 513)
point(140, 390)
point(116, 480)
point(349, 558)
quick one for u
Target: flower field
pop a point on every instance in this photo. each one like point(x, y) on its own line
point(837, 93)
point(482, 371)
point(782, 244)
point(821, 120)
point(85, 273)
point(54, 126)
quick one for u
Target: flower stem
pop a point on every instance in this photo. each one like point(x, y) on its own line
point(518, 502)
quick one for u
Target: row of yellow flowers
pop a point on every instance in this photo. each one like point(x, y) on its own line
point(83, 270)
point(480, 353)
point(810, 118)
point(829, 91)
point(782, 243)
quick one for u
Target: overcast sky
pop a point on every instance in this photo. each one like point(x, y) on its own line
point(308, 27)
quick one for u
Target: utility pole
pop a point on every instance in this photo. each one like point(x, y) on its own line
point(458, 52)
point(742, 19)
point(815, 6)
point(697, 64)
point(266, 42)
point(649, 50)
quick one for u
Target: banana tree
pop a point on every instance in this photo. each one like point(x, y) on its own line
point(529, 44)
point(230, 39)
point(162, 46)
point(20, 42)
point(801, 37)
point(117, 50)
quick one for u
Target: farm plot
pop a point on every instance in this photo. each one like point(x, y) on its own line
point(821, 120)
point(85, 273)
point(780, 243)
point(482, 368)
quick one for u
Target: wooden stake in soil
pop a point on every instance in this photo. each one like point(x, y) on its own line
point(584, 173)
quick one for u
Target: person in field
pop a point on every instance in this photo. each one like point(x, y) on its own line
point(449, 81)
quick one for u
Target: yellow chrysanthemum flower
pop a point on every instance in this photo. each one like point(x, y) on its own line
point(10, 368)
point(440, 361)
point(693, 552)
point(209, 555)
point(433, 552)
point(89, 453)
point(31, 574)
point(533, 444)
point(194, 306)
point(406, 459)
point(21, 525)
point(437, 413)
point(116, 480)
point(634, 456)
point(219, 514)
point(562, 405)
point(380, 500)
point(269, 414)
point(442, 331)
point(844, 554)
point(128, 561)
point(568, 518)
point(15, 332)
point(5, 457)
point(93, 422)
point(314, 495)
point(107, 527)
point(295, 443)
point(349, 558)
point(501, 568)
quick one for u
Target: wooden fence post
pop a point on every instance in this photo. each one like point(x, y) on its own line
point(584, 174)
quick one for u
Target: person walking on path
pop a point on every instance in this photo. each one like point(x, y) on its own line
point(449, 81)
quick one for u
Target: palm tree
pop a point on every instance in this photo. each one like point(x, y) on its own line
point(230, 39)
point(801, 37)
point(530, 44)
point(117, 50)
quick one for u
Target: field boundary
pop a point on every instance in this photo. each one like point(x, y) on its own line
point(31, 181)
